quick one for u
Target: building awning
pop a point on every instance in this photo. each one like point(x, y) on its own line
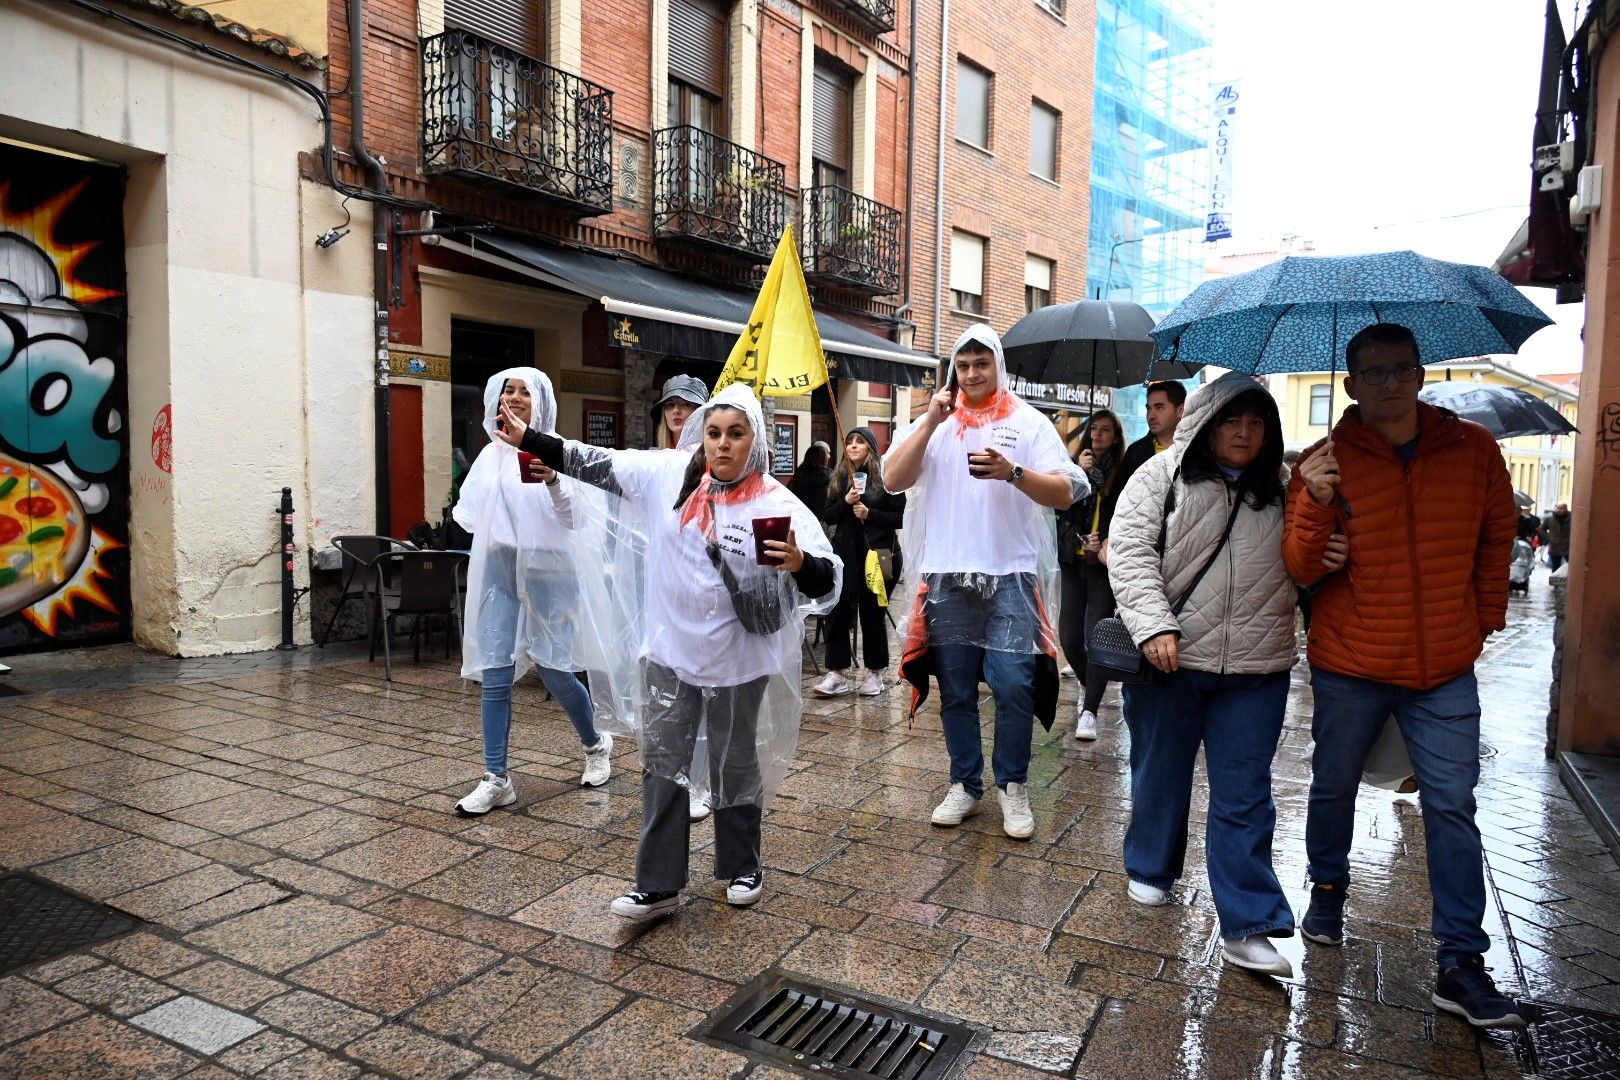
point(666, 313)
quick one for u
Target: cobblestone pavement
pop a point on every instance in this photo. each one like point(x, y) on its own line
point(315, 909)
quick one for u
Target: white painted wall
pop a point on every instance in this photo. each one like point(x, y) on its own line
point(270, 382)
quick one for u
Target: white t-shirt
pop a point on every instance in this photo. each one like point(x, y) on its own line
point(985, 526)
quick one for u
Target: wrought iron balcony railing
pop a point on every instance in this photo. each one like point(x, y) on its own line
point(851, 240)
point(878, 14)
point(710, 191)
point(493, 113)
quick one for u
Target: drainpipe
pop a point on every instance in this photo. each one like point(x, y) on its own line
point(911, 156)
point(379, 258)
point(939, 175)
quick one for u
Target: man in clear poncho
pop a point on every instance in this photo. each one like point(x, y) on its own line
point(522, 600)
point(733, 564)
point(983, 471)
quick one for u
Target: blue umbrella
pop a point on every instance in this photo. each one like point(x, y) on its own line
point(1297, 314)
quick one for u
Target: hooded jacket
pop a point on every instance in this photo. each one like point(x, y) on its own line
point(1240, 618)
point(1429, 549)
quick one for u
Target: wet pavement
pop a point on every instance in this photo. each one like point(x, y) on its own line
point(315, 909)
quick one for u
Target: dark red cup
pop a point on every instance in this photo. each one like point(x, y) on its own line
point(769, 528)
point(523, 468)
point(972, 463)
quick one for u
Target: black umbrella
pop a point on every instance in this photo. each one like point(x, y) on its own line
point(1087, 343)
point(1506, 411)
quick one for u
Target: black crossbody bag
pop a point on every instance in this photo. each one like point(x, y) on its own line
point(1109, 647)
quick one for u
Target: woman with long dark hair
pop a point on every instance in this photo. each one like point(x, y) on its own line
point(1195, 558)
point(863, 517)
point(1087, 596)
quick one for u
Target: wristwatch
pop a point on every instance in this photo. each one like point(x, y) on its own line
point(1017, 474)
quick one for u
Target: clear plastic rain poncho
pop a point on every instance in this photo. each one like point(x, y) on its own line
point(681, 622)
point(981, 556)
point(522, 594)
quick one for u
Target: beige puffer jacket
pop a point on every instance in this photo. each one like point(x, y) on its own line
point(1240, 619)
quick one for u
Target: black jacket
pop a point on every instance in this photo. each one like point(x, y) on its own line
point(1137, 454)
point(885, 513)
point(1074, 524)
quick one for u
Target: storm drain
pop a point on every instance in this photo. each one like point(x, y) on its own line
point(825, 1032)
point(1568, 1044)
point(39, 920)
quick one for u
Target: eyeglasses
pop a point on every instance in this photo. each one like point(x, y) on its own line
point(1378, 376)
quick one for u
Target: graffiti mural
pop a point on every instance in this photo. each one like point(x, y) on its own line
point(64, 447)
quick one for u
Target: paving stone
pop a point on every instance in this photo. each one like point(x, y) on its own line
point(197, 1024)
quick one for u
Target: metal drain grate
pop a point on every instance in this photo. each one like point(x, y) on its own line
point(1566, 1044)
point(40, 920)
point(825, 1032)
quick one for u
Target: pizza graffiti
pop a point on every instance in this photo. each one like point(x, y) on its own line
point(64, 476)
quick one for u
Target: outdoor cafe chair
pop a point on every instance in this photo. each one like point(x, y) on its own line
point(424, 584)
point(360, 581)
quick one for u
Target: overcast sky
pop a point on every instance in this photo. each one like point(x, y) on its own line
point(1389, 124)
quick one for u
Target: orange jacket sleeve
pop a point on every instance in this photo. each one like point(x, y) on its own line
point(1496, 534)
point(1308, 528)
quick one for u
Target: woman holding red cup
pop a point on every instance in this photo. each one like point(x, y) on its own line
point(715, 636)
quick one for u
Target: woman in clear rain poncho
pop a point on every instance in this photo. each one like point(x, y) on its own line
point(734, 563)
point(521, 594)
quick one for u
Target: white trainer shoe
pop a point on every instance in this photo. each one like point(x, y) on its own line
point(492, 791)
point(1257, 953)
point(697, 805)
point(598, 762)
point(871, 684)
point(833, 685)
point(1067, 671)
point(1147, 895)
point(1086, 729)
point(956, 806)
point(1017, 819)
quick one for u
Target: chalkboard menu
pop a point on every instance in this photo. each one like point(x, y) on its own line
point(602, 423)
point(786, 453)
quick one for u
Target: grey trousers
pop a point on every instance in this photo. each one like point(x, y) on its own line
point(675, 710)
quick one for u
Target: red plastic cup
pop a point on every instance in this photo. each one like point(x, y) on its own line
point(769, 528)
point(523, 468)
point(972, 463)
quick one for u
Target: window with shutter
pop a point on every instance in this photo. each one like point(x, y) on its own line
point(1037, 282)
point(967, 272)
point(697, 44)
point(513, 23)
point(1043, 141)
point(832, 125)
point(972, 104)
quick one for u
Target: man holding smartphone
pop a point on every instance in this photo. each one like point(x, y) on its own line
point(983, 470)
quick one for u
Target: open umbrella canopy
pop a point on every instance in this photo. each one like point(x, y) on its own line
point(1087, 343)
point(1506, 411)
point(1298, 313)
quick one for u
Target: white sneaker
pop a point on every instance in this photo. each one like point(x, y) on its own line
point(1017, 820)
point(1147, 895)
point(1067, 671)
point(492, 791)
point(598, 762)
point(833, 685)
point(871, 684)
point(745, 890)
point(1087, 727)
point(1257, 953)
point(697, 805)
point(956, 806)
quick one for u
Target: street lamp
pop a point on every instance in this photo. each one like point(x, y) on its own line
point(1108, 280)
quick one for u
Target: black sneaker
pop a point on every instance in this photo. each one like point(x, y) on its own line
point(1324, 919)
point(745, 890)
point(640, 905)
point(1467, 990)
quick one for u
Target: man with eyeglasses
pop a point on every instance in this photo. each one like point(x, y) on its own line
point(1426, 502)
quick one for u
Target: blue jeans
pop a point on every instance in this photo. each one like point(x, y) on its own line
point(981, 623)
point(498, 618)
point(1237, 719)
point(1441, 729)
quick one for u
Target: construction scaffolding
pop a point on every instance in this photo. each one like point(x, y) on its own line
point(1149, 150)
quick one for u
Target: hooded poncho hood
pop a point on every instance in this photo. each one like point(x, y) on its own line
point(739, 397)
point(542, 401)
point(1002, 402)
point(1206, 402)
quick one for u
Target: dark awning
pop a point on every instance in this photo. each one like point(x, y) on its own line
point(666, 313)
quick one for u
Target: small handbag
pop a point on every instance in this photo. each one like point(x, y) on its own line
point(1109, 646)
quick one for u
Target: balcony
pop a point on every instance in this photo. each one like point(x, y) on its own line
point(711, 193)
point(878, 14)
point(851, 241)
point(493, 114)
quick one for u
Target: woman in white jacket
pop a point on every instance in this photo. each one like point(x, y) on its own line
point(1195, 560)
point(521, 594)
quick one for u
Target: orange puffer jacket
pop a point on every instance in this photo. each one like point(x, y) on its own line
point(1430, 544)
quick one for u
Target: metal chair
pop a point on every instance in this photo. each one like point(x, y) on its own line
point(425, 583)
point(360, 554)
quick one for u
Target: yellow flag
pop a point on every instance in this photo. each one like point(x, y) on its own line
point(779, 354)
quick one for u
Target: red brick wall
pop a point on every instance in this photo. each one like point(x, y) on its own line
point(1031, 55)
